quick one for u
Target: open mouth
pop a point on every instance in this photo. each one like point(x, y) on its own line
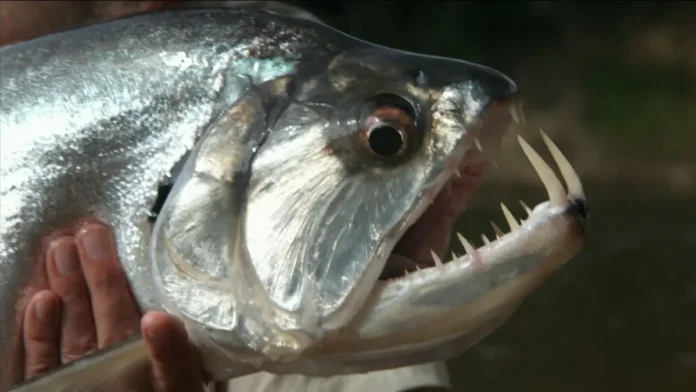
point(423, 244)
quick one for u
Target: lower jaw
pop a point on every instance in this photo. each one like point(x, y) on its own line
point(439, 312)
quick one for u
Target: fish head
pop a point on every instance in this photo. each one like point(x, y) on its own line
point(362, 145)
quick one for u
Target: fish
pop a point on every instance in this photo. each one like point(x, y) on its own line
point(269, 181)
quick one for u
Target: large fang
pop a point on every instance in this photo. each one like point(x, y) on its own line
point(553, 186)
point(437, 260)
point(509, 217)
point(569, 175)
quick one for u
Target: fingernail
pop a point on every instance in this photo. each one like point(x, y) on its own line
point(65, 256)
point(42, 309)
point(96, 240)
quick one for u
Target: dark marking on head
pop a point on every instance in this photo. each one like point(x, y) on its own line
point(165, 187)
point(162, 193)
point(580, 208)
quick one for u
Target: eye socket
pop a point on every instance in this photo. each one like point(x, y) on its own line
point(389, 128)
point(385, 140)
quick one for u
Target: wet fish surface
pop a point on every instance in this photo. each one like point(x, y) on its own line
point(266, 178)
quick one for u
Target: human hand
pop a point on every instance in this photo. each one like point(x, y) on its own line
point(83, 303)
point(23, 20)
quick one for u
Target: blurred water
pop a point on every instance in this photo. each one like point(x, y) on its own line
point(621, 316)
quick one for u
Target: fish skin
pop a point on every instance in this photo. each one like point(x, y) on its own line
point(143, 91)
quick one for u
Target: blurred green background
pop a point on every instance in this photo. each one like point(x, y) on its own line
point(614, 84)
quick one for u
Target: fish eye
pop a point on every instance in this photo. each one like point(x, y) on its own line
point(385, 140)
point(389, 126)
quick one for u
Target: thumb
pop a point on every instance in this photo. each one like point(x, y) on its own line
point(174, 362)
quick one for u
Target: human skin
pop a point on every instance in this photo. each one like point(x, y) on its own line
point(81, 301)
point(23, 20)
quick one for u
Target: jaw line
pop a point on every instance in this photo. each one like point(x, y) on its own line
point(474, 155)
point(392, 321)
point(355, 304)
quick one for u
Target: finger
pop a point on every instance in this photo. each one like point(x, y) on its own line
point(12, 360)
point(116, 315)
point(42, 333)
point(174, 363)
point(65, 277)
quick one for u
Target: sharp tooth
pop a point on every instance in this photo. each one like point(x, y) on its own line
point(467, 246)
point(470, 250)
point(495, 164)
point(438, 262)
point(526, 208)
point(520, 113)
point(509, 217)
point(553, 186)
point(569, 175)
point(454, 256)
point(456, 173)
point(517, 113)
point(485, 239)
point(477, 142)
point(499, 233)
point(513, 113)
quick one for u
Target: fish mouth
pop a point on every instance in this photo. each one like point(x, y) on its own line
point(427, 307)
point(422, 245)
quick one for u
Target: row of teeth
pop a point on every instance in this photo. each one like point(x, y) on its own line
point(554, 188)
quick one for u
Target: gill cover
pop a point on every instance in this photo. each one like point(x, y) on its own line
point(197, 253)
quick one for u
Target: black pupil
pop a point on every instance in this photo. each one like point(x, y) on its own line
point(385, 140)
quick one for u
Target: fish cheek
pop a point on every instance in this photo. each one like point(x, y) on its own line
point(319, 223)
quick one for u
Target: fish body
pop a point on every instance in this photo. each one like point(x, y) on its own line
point(293, 160)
